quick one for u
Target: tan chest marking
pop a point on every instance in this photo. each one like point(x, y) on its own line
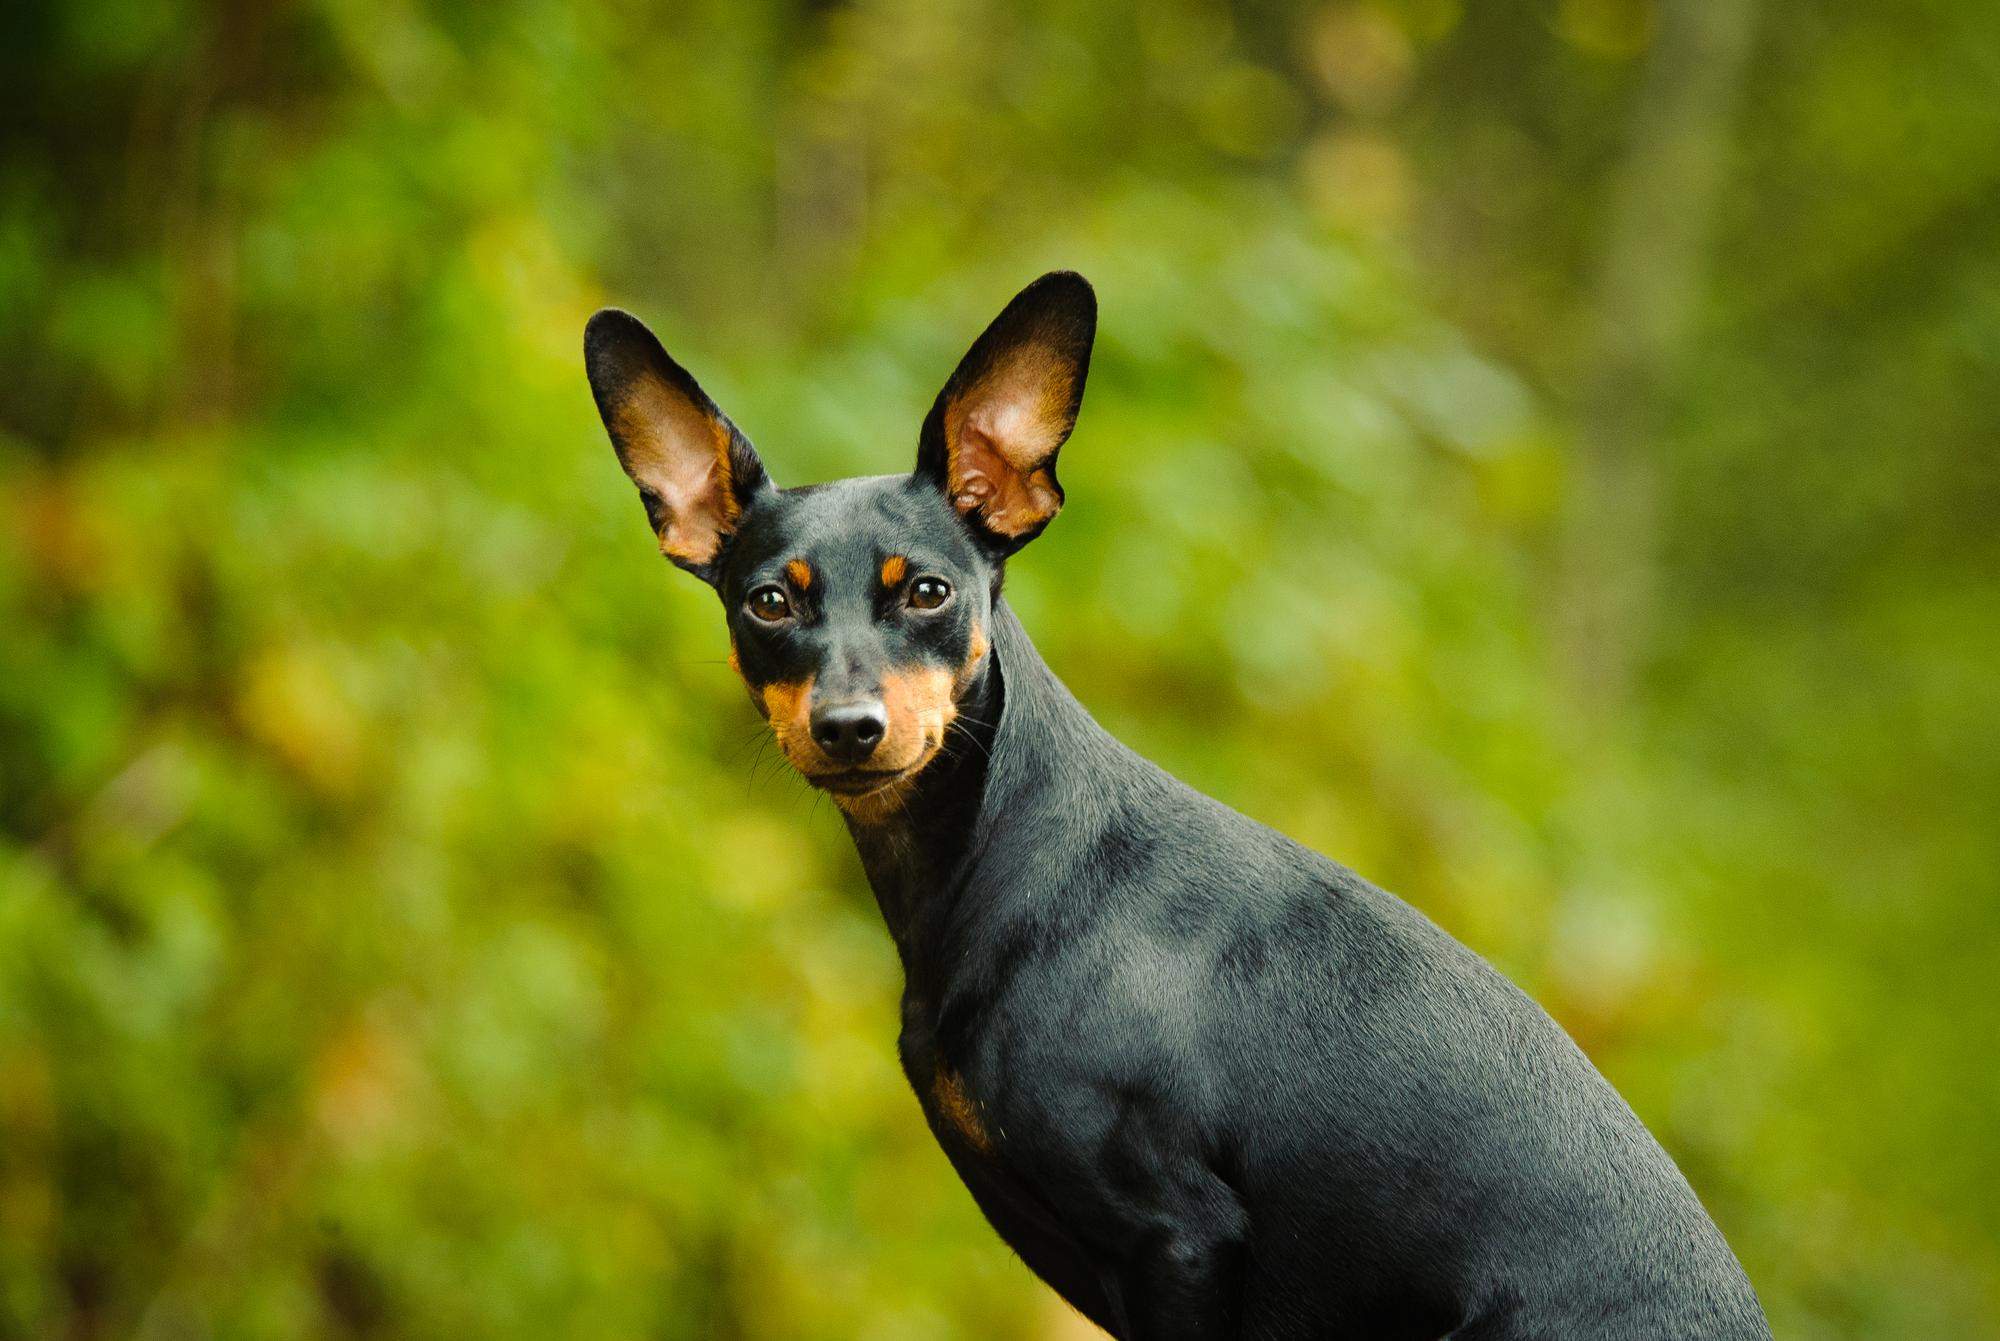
point(959, 1110)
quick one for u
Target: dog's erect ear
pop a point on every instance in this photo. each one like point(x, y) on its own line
point(991, 439)
point(695, 472)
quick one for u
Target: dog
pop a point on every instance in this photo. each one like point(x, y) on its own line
point(1205, 1082)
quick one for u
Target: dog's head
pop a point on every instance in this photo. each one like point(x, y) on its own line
point(858, 610)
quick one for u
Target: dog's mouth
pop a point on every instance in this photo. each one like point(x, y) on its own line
point(860, 781)
point(855, 783)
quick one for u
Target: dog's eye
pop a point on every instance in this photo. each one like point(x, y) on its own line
point(770, 604)
point(928, 593)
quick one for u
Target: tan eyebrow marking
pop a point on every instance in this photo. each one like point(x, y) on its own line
point(800, 572)
point(893, 569)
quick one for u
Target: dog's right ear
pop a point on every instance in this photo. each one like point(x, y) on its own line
point(696, 474)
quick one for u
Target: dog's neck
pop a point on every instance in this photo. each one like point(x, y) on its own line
point(1020, 746)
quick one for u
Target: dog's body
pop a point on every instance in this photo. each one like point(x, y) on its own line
point(1208, 1083)
point(1205, 1082)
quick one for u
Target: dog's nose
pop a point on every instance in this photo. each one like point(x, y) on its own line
point(849, 732)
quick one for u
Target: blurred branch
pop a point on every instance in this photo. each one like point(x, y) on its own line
point(1662, 211)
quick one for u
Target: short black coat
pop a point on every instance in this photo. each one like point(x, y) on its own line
point(1218, 1085)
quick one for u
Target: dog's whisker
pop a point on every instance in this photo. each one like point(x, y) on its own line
point(964, 733)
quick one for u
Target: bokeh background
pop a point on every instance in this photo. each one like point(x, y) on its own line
point(1541, 454)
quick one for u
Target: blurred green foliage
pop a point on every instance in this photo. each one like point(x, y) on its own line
point(1542, 455)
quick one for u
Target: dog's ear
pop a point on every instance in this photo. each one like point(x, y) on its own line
point(696, 474)
point(991, 439)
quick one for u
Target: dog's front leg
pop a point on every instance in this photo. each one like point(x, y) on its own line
point(1168, 1234)
point(1179, 1284)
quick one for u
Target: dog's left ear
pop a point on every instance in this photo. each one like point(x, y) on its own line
point(991, 439)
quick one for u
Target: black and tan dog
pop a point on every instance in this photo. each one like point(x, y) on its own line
point(1205, 1082)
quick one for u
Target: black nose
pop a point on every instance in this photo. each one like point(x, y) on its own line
point(849, 732)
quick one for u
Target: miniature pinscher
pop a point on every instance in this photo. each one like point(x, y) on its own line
point(1205, 1082)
